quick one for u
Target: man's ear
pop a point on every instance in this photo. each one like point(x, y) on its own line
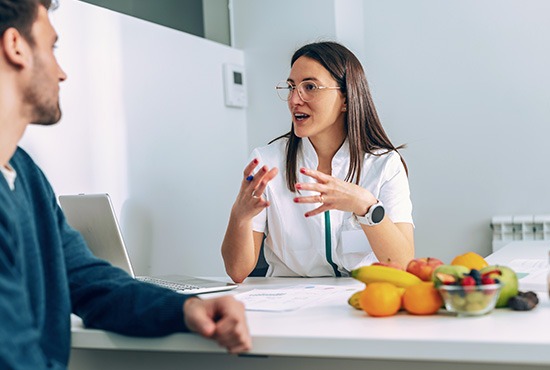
point(15, 48)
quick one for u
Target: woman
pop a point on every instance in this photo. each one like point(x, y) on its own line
point(342, 199)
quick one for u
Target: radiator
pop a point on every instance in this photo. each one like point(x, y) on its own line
point(523, 227)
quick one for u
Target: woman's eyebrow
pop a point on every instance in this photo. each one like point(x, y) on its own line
point(305, 79)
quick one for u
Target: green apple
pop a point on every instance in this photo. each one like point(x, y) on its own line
point(508, 279)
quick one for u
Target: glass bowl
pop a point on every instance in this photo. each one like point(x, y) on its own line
point(471, 300)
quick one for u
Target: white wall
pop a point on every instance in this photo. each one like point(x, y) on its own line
point(466, 84)
point(269, 32)
point(144, 120)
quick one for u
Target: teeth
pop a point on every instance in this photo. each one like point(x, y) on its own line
point(300, 115)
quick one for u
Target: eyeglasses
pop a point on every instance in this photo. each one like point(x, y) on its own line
point(307, 90)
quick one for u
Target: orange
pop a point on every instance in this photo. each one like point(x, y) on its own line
point(380, 299)
point(471, 260)
point(422, 299)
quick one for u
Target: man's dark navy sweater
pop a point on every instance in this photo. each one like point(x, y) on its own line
point(47, 272)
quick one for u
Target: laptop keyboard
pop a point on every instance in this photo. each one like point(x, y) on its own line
point(167, 284)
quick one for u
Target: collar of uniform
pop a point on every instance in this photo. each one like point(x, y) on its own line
point(339, 161)
point(310, 156)
point(341, 158)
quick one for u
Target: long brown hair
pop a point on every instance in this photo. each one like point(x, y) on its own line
point(363, 128)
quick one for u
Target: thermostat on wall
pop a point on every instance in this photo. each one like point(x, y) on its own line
point(235, 88)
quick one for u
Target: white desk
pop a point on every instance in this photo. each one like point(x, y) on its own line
point(332, 335)
point(535, 249)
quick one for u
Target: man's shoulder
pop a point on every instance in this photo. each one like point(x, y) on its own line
point(21, 157)
point(28, 172)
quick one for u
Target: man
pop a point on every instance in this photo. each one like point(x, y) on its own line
point(46, 270)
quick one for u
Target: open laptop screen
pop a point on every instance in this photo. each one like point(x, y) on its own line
point(94, 217)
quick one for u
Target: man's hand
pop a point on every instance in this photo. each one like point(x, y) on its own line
point(221, 319)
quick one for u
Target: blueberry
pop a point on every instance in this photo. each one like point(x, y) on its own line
point(476, 275)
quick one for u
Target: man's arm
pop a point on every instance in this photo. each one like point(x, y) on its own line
point(106, 297)
point(19, 337)
point(221, 319)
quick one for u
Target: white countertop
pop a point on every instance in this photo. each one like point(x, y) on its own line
point(331, 328)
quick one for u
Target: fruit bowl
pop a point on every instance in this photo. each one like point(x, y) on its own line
point(472, 300)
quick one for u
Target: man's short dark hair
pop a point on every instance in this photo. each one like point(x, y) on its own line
point(20, 14)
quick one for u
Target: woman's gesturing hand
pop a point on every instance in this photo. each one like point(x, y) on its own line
point(334, 194)
point(250, 200)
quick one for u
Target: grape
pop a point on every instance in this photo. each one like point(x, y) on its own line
point(474, 306)
point(475, 297)
point(458, 301)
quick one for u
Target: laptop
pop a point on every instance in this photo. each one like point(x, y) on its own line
point(94, 217)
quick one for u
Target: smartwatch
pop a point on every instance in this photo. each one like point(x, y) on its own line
point(374, 216)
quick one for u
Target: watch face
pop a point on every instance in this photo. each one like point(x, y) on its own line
point(378, 214)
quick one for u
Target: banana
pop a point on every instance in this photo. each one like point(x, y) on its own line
point(371, 274)
point(353, 301)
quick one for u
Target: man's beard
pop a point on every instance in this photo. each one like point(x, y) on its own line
point(46, 115)
point(45, 108)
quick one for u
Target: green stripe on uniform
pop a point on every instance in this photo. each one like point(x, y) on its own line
point(328, 245)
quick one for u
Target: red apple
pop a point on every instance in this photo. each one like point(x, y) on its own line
point(423, 267)
point(389, 263)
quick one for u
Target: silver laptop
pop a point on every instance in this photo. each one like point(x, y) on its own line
point(94, 216)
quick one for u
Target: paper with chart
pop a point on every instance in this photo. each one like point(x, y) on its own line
point(532, 273)
point(290, 298)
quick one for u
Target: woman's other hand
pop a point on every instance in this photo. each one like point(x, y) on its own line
point(334, 194)
point(250, 200)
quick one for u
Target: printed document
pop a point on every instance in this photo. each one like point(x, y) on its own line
point(532, 273)
point(291, 298)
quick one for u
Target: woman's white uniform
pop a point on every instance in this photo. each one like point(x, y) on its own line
point(296, 245)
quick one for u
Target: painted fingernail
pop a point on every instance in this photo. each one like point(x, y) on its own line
point(307, 215)
point(249, 178)
point(296, 200)
point(302, 170)
point(256, 161)
point(298, 186)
